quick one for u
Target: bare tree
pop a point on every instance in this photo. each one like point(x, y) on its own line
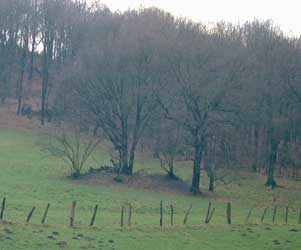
point(34, 32)
point(24, 42)
point(73, 147)
point(201, 99)
point(120, 86)
point(169, 144)
point(264, 43)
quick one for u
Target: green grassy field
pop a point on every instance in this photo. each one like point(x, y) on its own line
point(29, 178)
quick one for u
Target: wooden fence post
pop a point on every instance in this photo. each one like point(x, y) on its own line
point(45, 214)
point(94, 216)
point(30, 214)
point(208, 213)
point(161, 213)
point(171, 215)
point(229, 213)
point(122, 216)
point(286, 214)
point(249, 215)
point(274, 214)
point(263, 215)
point(72, 214)
point(187, 214)
point(2, 209)
point(130, 215)
point(210, 216)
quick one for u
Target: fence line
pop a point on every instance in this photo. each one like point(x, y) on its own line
point(208, 217)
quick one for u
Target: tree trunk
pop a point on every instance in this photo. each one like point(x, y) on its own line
point(125, 169)
point(22, 70)
point(132, 156)
point(45, 80)
point(196, 177)
point(135, 137)
point(33, 39)
point(31, 64)
point(44, 92)
point(20, 86)
point(211, 183)
point(124, 160)
point(272, 160)
point(171, 173)
point(256, 149)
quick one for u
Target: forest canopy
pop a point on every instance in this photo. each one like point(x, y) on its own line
point(223, 95)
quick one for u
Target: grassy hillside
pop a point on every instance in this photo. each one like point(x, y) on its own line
point(29, 178)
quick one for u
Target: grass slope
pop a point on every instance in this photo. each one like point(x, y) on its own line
point(28, 178)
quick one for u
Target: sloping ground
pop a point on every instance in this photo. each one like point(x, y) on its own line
point(29, 178)
point(9, 119)
point(158, 183)
point(146, 182)
point(28, 237)
point(247, 188)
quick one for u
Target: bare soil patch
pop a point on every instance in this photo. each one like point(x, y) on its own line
point(9, 119)
point(155, 183)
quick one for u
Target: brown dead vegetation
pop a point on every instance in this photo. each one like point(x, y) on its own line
point(151, 183)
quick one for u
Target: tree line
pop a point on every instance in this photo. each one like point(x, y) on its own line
point(222, 95)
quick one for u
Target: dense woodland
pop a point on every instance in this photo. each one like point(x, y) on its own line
point(224, 96)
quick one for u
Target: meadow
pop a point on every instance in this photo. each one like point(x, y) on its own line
point(29, 177)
